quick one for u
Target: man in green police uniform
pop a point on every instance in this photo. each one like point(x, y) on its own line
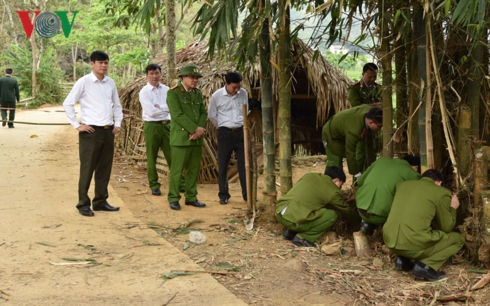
point(366, 91)
point(9, 95)
point(408, 232)
point(186, 136)
point(377, 188)
point(345, 130)
point(311, 206)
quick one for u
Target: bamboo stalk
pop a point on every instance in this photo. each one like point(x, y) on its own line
point(247, 154)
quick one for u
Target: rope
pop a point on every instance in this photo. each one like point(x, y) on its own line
point(35, 123)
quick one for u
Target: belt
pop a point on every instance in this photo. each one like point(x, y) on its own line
point(164, 122)
point(105, 127)
point(236, 129)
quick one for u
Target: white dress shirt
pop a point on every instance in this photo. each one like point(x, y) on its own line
point(99, 102)
point(150, 97)
point(225, 110)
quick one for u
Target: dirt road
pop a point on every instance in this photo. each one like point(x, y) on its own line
point(51, 255)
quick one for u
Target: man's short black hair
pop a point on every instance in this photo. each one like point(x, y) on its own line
point(375, 114)
point(8, 71)
point(434, 174)
point(370, 66)
point(152, 67)
point(99, 56)
point(413, 160)
point(335, 172)
point(233, 77)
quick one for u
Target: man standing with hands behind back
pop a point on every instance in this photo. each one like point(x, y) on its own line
point(9, 95)
point(186, 136)
point(101, 116)
point(225, 112)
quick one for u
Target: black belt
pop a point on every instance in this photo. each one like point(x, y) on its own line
point(237, 129)
point(104, 127)
point(164, 122)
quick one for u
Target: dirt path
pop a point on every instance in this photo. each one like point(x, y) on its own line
point(119, 260)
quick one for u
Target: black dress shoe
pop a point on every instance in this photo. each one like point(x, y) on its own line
point(182, 190)
point(302, 242)
point(367, 228)
point(422, 271)
point(403, 264)
point(4, 123)
point(289, 234)
point(223, 201)
point(106, 207)
point(156, 192)
point(86, 211)
point(196, 203)
point(175, 205)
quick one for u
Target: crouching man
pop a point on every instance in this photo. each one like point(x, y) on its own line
point(408, 232)
point(311, 206)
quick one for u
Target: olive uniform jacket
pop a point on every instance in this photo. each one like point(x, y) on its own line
point(9, 89)
point(359, 93)
point(343, 131)
point(311, 196)
point(187, 112)
point(378, 184)
point(415, 205)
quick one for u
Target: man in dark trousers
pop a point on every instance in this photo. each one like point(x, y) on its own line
point(101, 116)
point(186, 136)
point(409, 233)
point(366, 91)
point(312, 205)
point(9, 95)
point(345, 130)
point(225, 112)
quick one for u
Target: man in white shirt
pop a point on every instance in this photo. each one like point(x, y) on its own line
point(225, 112)
point(101, 116)
point(157, 124)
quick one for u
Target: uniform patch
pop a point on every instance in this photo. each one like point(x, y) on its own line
point(182, 89)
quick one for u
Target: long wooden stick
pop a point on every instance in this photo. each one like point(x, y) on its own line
point(204, 271)
point(247, 155)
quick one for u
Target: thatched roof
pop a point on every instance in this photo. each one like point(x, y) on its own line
point(319, 89)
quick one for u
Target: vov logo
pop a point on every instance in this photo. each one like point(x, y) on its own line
point(47, 24)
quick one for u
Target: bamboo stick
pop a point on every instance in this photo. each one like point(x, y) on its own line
point(247, 154)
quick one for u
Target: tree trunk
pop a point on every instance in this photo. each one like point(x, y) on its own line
point(474, 85)
point(270, 194)
point(413, 94)
point(387, 100)
point(284, 45)
point(34, 58)
point(402, 108)
point(74, 52)
point(170, 40)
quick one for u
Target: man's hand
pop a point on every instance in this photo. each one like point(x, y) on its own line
point(157, 106)
point(199, 132)
point(115, 129)
point(455, 201)
point(85, 128)
point(193, 136)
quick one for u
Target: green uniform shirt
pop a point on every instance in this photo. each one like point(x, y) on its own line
point(187, 112)
point(9, 89)
point(359, 93)
point(343, 131)
point(310, 197)
point(415, 205)
point(378, 184)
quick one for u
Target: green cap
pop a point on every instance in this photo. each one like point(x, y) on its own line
point(190, 70)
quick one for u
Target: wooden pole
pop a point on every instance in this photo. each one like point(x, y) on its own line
point(247, 154)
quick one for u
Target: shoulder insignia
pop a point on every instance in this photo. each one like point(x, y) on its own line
point(182, 89)
point(173, 87)
point(356, 83)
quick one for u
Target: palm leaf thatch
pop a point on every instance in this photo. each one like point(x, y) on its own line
point(319, 91)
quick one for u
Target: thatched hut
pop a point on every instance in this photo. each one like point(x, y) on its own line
point(319, 90)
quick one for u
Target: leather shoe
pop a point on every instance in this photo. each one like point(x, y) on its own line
point(182, 190)
point(302, 242)
point(367, 228)
point(403, 264)
point(289, 234)
point(196, 203)
point(422, 271)
point(175, 205)
point(156, 192)
point(223, 201)
point(86, 211)
point(4, 123)
point(106, 207)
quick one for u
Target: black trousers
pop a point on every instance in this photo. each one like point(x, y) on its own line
point(96, 152)
point(228, 141)
point(8, 106)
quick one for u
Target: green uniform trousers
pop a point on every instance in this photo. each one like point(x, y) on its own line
point(335, 160)
point(186, 158)
point(157, 136)
point(436, 255)
point(372, 219)
point(311, 231)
